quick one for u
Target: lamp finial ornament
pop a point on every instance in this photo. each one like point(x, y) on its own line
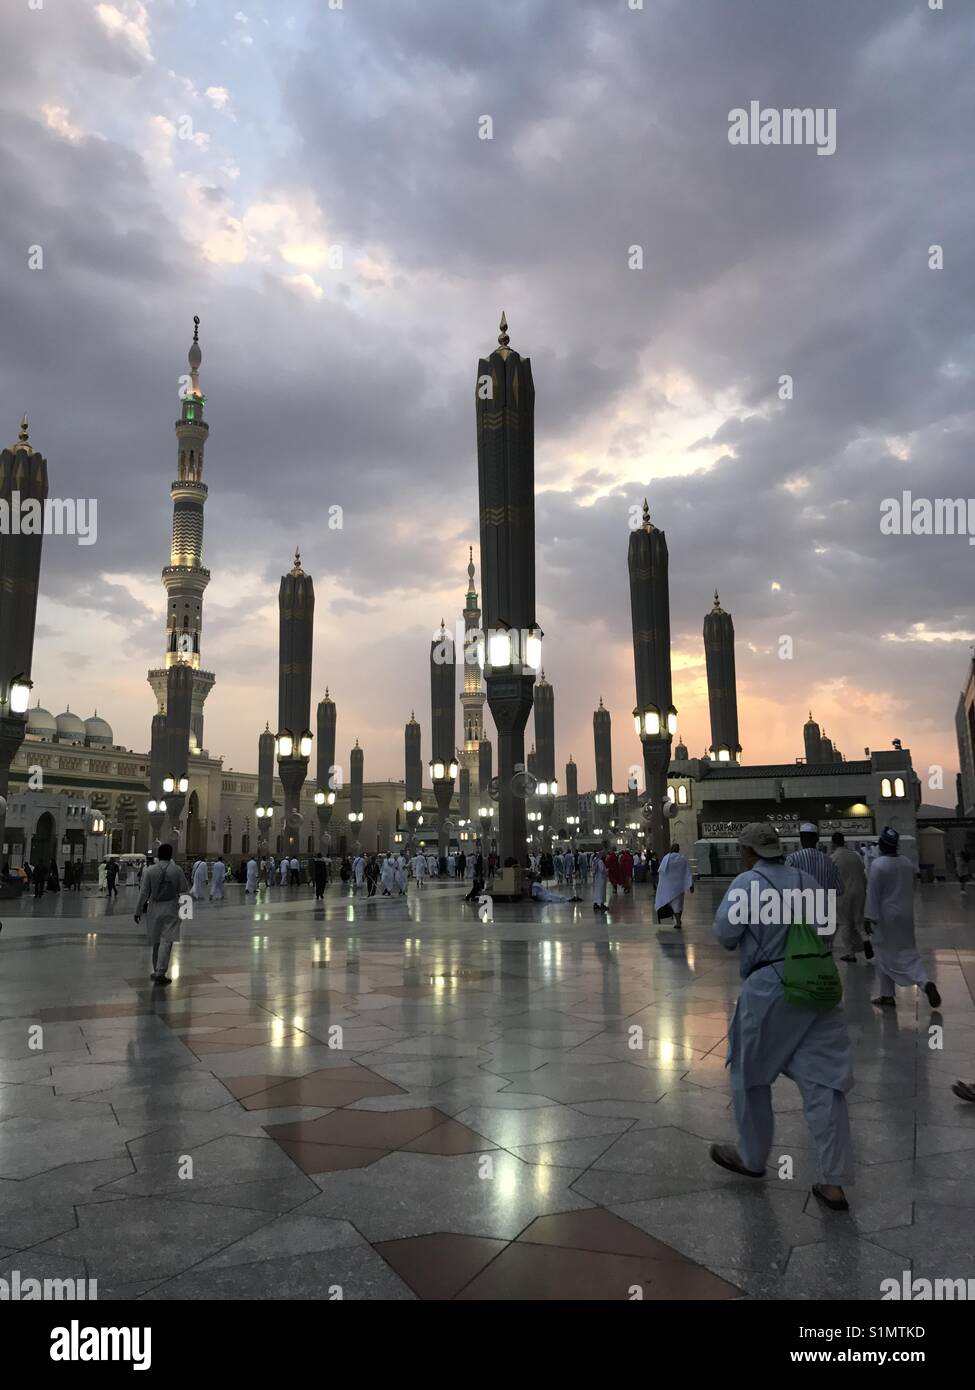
point(503, 339)
point(23, 445)
point(647, 523)
point(296, 567)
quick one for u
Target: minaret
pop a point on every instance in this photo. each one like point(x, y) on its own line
point(325, 718)
point(443, 747)
point(185, 577)
point(812, 740)
point(472, 695)
point(719, 656)
point(413, 800)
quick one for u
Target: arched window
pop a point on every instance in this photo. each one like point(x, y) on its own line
point(226, 843)
point(885, 787)
point(245, 843)
point(899, 788)
point(682, 795)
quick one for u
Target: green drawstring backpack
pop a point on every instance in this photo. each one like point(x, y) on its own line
point(811, 979)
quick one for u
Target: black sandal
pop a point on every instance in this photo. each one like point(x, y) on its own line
point(834, 1203)
point(727, 1157)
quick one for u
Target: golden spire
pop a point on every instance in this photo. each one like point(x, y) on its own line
point(717, 602)
point(296, 568)
point(503, 340)
point(195, 357)
point(327, 696)
point(647, 523)
point(470, 566)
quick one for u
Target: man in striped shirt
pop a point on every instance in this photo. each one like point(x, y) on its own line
point(811, 860)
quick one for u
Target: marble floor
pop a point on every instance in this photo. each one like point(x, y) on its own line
point(391, 1099)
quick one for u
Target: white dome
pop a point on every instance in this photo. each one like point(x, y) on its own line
point(98, 732)
point(70, 727)
point(41, 722)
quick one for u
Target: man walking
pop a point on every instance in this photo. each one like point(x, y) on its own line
point(771, 1037)
point(320, 870)
point(890, 909)
point(849, 907)
point(111, 877)
point(162, 886)
point(674, 880)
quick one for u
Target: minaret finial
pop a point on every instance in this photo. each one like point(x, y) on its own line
point(23, 445)
point(195, 357)
point(326, 692)
point(196, 328)
point(296, 567)
point(647, 524)
point(503, 339)
point(717, 601)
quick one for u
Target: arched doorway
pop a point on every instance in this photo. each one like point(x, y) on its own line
point(42, 841)
point(195, 832)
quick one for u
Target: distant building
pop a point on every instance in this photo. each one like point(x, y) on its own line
point(965, 734)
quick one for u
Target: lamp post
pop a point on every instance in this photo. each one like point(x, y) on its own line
point(156, 805)
point(572, 798)
point(443, 762)
point(602, 734)
point(179, 713)
point(356, 760)
point(325, 795)
point(413, 803)
point(654, 717)
point(264, 809)
point(23, 491)
point(505, 416)
point(547, 788)
point(296, 608)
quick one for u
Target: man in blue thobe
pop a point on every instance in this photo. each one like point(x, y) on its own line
point(770, 1037)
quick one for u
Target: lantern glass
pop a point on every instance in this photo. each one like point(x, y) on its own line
point(438, 771)
point(319, 798)
point(162, 805)
point(453, 771)
point(150, 807)
point(285, 745)
point(672, 721)
point(638, 723)
point(652, 722)
point(499, 649)
point(19, 696)
point(184, 784)
point(533, 651)
point(304, 746)
point(169, 784)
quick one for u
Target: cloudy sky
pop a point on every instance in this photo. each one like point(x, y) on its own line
point(173, 158)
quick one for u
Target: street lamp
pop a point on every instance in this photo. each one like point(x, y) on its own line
point(174, 783)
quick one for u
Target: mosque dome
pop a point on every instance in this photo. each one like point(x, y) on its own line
point(70, 727)
point(98, 734)
point(41, 722)
point(681, 753)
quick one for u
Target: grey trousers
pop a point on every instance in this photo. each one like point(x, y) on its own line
point(826, 1116)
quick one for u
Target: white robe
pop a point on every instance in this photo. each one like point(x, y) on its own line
point(600, 877)
point(283, 872)
point(400, 873)
point(769, 1036)
point(388, 876)
point(674, 881)
point(420, 868)
point(251, 885)
point(545, 895)
point(433, 866)
point(359, 869)
point(216, 883)
point(200, 879)
point(890, 904)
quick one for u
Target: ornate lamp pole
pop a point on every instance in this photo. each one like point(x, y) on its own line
point(264, 810)
point(602, 734)
point(23, 492)
point(719, 655)
point(443, 763)
point(355, 793)
point(325, 795)
point(296, 607)
point(156, 805)
point(655, 717)
point(413, 803)
point(547, 788)
point(505, 414)
point(572, 798)
point(179, 715)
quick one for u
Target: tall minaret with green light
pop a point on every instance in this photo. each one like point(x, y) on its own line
point(185, 577)
point(472, 695)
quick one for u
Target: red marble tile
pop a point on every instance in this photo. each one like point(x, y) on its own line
point(449, 1138)
point(331, 1086)
point(241, 1086)
point(373, 1129)
point(542, 1273)
point(328, 1158)
point(597, 1229)
point(438, 1266)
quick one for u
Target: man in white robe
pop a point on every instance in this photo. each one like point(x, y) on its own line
point(269, 877)
point(251, 885)
point(675, 880)
point(400, 873)
point(359, 870)
point(600, 878)
point(432, 866)
point(890, 917)
point(283, 872)
point(163, 884)
point(770, 1037)
point(217, 878)
point(200, 879)
point(388, 876)
point(420, 868)
point(849, 907)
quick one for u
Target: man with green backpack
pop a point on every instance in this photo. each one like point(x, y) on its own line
point(787, 1021)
